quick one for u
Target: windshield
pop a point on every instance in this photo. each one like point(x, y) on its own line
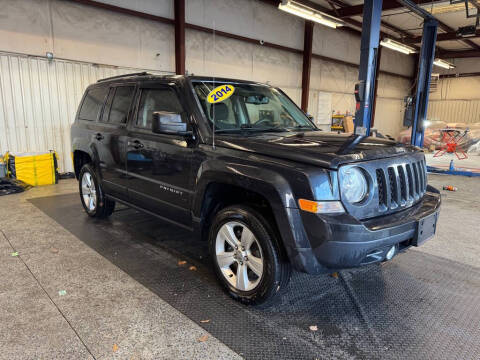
point(250, 108)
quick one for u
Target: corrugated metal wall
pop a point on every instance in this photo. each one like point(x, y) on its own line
point(453, 111)
point(39, 99)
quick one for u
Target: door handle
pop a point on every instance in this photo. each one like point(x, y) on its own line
point(99, 136)
point(136, 144)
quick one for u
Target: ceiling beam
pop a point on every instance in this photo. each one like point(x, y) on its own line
point(386, 25)
point(125, 11)
point(447, 76)
point(452, 35)
point(458, 54)
point(357, 10)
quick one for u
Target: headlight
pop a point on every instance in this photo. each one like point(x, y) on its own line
point(353, 185)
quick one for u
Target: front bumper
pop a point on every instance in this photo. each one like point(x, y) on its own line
point(341, 241)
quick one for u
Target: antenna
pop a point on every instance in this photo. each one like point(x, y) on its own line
point(213, 112)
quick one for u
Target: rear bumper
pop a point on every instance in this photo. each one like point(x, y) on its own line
point(341, 241)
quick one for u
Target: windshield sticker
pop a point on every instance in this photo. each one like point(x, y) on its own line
point(220, 93)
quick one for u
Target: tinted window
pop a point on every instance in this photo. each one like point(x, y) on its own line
point(153, 100)
point(254, 107)
point(106, 109)
point(121, 104)
point(92, 104)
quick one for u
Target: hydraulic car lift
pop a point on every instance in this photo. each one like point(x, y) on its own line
point(364, 90)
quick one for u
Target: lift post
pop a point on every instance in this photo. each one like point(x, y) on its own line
point(365, 89)
point(425, 64)
point(424, 71)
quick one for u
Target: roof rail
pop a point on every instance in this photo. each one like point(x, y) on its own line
point(124, 75)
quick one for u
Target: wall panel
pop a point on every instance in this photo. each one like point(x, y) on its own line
point(467, 111)
point(39, 99)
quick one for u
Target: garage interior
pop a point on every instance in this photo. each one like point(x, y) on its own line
point(134, 287)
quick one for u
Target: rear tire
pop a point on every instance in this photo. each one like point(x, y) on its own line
point(246, 256)
point(92, 196)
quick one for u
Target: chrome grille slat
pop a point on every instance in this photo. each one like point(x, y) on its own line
point(424, 178)
point(407, 183)
point(419, 165)
point(401, 184)
point(392, 183)
point(410, 181)
point(416, 179)
point(382, 191)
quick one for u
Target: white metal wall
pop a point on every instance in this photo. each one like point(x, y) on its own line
point(456, 100)
point(39, 99)
point(455, 111)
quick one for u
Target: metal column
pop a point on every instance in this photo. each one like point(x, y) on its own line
point(372, 11)
point(307, 63)
point(425, 64)
point(179, 10)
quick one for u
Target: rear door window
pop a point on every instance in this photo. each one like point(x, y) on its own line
point(92, 104)
point(121, 104)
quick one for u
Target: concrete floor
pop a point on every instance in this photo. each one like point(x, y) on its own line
point(60, 299)
point(105, 314)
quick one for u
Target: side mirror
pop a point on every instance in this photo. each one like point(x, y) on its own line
point(164, 122)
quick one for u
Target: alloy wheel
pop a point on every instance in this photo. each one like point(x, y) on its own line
point(89, 194)
point(239, 255)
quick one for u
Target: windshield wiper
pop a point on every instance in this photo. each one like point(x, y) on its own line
point(301, 127)
point(249, 128)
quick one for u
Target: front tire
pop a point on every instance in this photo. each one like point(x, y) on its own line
point(92, 196)
point(246, 256)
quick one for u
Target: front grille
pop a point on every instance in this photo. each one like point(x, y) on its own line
point(406, 184)
point(398, 183)
point(382, 191)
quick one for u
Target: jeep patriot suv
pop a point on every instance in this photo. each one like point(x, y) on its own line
point(240, 165)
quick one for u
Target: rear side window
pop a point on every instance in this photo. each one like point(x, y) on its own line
point(153, 100)
point(121, 104)
point(92, 104)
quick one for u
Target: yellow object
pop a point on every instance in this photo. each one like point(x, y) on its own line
point(220, 93)
point(33, 168)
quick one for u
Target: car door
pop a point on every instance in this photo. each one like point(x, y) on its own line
point(159, 165)
point(112, 137)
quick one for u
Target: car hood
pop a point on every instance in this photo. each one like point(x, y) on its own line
point(314, 147)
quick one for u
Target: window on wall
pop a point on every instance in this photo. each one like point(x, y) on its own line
point(121, 104)
point(92, 104)
point(153, 100)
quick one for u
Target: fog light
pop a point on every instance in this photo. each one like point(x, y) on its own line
point(391, 252)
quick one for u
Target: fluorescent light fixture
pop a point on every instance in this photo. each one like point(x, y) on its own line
point(305, 12)
point(443, 64)
point(397, 46)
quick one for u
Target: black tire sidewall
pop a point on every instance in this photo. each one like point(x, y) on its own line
point(256, 224)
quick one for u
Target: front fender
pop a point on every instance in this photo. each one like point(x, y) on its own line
point(263, 181)
point(271, 185)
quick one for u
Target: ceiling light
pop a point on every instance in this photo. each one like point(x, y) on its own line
point(305, 12)
point(397, 46)
point(443, 64)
